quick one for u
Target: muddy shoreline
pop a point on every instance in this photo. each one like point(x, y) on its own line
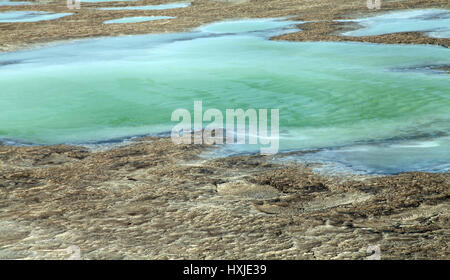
point(152, 199)
point(87, 22)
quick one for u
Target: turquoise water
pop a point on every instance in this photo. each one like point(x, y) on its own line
point(14, 3)
point(136, 19)
point(331, 96)
point(149, 7)
point(424, 154)
point(435, 22)
point(29, 16)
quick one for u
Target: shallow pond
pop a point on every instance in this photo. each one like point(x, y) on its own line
point(136, 19)
point(149, 7)
point(334, 96)
point(433, 21)
point(98, 1)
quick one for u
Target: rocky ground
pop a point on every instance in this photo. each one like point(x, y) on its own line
point(156, 200)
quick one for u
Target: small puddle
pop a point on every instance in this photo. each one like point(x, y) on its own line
point(15, 3)
point(149, 7)
point(29, 16)
point(440, 34)
point(136, 19)
point(435, 22)
point(442, 69)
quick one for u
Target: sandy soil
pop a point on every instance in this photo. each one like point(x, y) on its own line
point(155, 200)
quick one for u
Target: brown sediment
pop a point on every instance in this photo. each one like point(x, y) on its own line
point(87, 22)
point(156, 200)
